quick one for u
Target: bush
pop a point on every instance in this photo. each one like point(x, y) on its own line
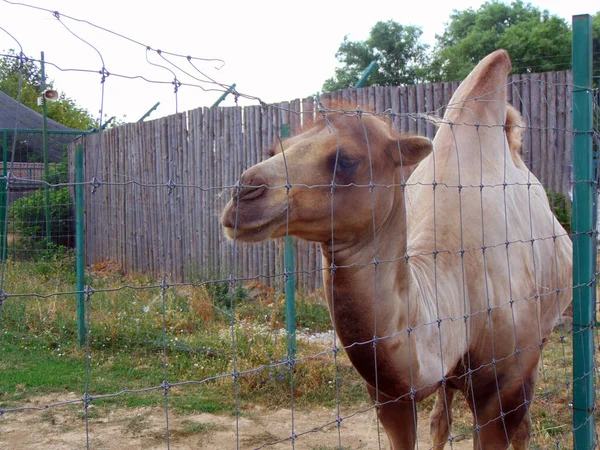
point(27, 217)
point(28, 220)
point(561, 207)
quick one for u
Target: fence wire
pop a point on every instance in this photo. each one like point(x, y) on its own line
point(188, 329)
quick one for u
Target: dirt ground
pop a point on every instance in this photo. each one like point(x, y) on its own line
point(144, 428)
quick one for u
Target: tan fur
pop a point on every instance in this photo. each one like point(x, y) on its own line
point(405, 262)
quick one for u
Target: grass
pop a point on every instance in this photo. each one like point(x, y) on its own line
point(202, 334)
point(40, 354)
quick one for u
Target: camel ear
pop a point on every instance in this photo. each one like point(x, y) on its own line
point(409, 150)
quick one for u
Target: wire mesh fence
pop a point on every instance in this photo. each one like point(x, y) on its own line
point(184, 329)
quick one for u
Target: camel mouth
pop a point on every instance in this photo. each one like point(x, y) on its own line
point(238, 227)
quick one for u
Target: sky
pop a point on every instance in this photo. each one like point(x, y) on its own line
point(272, 50)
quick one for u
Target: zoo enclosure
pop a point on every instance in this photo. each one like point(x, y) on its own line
point(198, 156)
point(166, 179)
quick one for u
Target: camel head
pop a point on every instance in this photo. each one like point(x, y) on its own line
point(319, 182)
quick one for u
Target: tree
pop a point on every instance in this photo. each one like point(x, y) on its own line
point(24, 76)
point(535, 40)
point(399, 53)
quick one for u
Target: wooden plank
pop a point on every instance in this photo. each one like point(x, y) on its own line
point(395, 108)
point(403, 91)
point(568, 180)
point(221, 263)
point(229, 252)
point(118, 213)
point(130, 175)
point(143, 216)
point(295, 116)
point(387, 91)
point(371, 105)
point(411, 108)
point(536, 100)
point(169, 227)
point(438, 98)
point(265, 131)
point(308, 111)
point(217, 256)
point(170, 220)
point(525, 108)
point(421, 107)
point(254, 154)
point(205, 183)
point(544, 163)
point(149, 196)
point(561, 99)
point(560, 167)
point(379, 99)
point(137, 176)
point(552, 133)
point(429, 108)
point(183, 206)
point(161, 178)
point(246, 160)
point(194, 197)
point(448, 91)
point(345, 98)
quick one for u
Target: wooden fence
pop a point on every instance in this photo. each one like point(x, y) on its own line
point(159, 186)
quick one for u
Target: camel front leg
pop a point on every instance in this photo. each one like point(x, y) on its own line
point(520, 440)
point(399, 420)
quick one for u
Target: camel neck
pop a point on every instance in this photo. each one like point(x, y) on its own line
point(364, 277)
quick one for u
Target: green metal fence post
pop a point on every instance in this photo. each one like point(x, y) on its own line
point(229, 90)
point(584, 245)
point(3, 199)
point(45, 149)
point(290, 281)
point(366, 74)
point(79, 243)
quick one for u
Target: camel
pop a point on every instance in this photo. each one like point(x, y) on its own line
point(449, 280)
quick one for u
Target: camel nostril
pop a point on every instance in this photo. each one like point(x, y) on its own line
point(248, 192)
point(250, 186)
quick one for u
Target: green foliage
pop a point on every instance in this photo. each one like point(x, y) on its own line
point(397, 49)
point(21, 79)
point(222, 294)
point(22, 76)
point(561, 207)
point(310, 315)
point(535, 40)
point(27, 217)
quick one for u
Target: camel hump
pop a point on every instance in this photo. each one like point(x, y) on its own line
point(490, 74)
point(514, 134)
point(486, 83)
point(514, 129)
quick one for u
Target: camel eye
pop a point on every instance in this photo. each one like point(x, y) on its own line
point(342, 163)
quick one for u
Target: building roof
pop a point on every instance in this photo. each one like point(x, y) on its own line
point(16, 116)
